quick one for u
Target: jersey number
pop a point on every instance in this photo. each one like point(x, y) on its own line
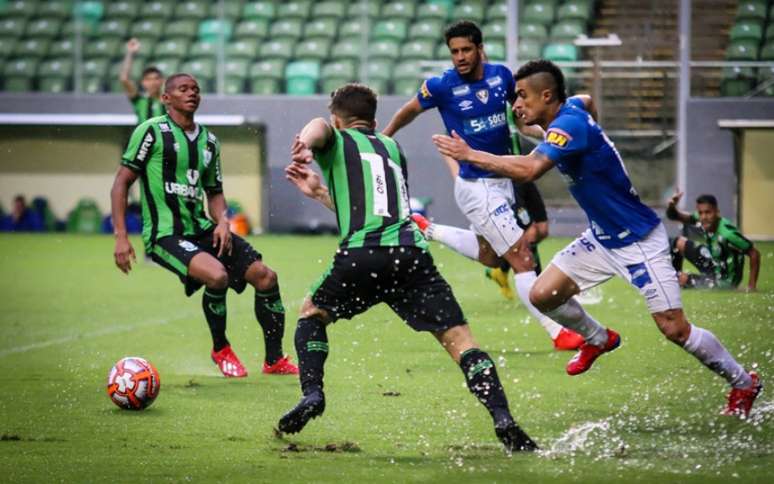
point(379, 185)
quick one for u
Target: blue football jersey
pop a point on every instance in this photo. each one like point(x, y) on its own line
point(475, 110)
point(592, 168)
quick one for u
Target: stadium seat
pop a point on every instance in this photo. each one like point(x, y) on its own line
point(736, 87)
point(466, 11)
point(497, 12)
point(175, 48)
point(743, 50)
point(442, 51)
point(242, 49)
point(62, 67)
point(433, 11)
point(379, 86)
point(286, 28)
point(7, 45)
point(234, 85)
point(104, 48)
point(429, 29)
point(32, 48)
point(398, 10)
point(253, 29)
point(87, 29)
point(203, 69)
point(298, 10)
point(529, 49)
point(766, 75)
point(89, 11)
point(346, 49)
point(417, 49)
point(197, 10)
point(265, 86)
point(181, 28)
point(268, 69)
point(343, 69)
point(312, 49)
point(236, 68)
point(495, 50)
point(384, 49)
point(390, 29)
point(321, 28)
point(203, 49)
point(96, 67)
point(333, 10)
point(539, 12)
point(494, 31)
point(742, 30)
point(115, 70)
point(117, 28)
point(167, 65)
point(767, 51)
point(407, 87)
point(12, 27)
point(530, 30)
point(560, 52)
point(567, 30)
point(149, 28)
point(301, 77)
point(751, 9)
point(17, 84)
point(123, 10)
point(407, 70)
point(575, 10)
point(92, 85)
point(158, 9)
point(769, 34)
point(54, 85)
point(60, 9)
point(330, 84)
point(259, 10)
point(61, 48)
point(352, 28)
point(20, 8)
point(21, 68)
point(232, 10)
point(277, 49)
point(357, 9)
point(213, 29)
point(44, 27)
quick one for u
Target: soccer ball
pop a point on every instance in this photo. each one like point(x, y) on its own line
point(133, 383)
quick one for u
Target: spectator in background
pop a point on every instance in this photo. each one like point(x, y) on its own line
point(21, 218)
point(148, 105)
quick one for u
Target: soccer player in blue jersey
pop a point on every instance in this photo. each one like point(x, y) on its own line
point(625, 237)
point(473, 99)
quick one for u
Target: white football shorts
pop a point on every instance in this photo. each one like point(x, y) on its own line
point(486, 202)
point(646, 264)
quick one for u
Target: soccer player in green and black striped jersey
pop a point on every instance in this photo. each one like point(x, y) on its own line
point(178, 162)
point(147, 105)
point(382, 257)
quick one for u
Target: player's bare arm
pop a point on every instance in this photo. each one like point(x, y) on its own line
point(755, 266)
point(315, 134)
point(309, 183)
point(130, 88)
point(405, 115)
point(124, 252)
point(520, 168)
point(531, 131)
point(221, 236)
point(673, 213)
point(588, 103)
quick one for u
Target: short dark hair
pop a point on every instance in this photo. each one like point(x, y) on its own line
point(354, 100)
point(151, 70)
point(171, 80)
point(542, 66)
point(464, 28)
point(707, 198)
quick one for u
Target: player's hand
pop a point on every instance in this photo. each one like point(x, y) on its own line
point(453, 146)
point(221, 237)
point(133, 45)
point(124, 254)
point(300, 151)
point(675, 199)
point(304, 178)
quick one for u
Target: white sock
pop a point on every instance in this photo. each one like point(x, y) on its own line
point(461, 241)
point(524, 282)
point(710, 351)
point(572, 315)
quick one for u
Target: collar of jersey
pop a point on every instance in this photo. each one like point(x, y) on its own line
point(198, 127)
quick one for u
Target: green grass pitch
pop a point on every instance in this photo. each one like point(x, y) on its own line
point(398, 409)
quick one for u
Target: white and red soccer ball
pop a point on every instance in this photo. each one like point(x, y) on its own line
point(133, 383)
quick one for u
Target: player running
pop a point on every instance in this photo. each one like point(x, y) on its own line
point(625, 237)
point(148, 105)
point(177, 160)
point(472, 99)
point(382, 257)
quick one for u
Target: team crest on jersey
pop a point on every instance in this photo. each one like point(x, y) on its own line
point(193, 176)
point(207, 157)
point(424, 91)
point(494, 81)
point(556, 136)
point(211, 137)
point(463, 90)
point(465, 105)
point(164, 127)
point(483, 95)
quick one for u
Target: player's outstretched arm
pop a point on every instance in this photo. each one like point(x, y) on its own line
point(315, 134)
point(755, 267)
point(673, 213)
point(124, 252)
point(519, 168)
point(309, 183)
point(406, 114)
point(132, 47)
point(218, 208)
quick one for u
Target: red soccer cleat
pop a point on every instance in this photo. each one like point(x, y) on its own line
point(228, 363)
point(421, 221)
point(740, 400)
point(584, 358)
point(568, 340)
point(283, 366)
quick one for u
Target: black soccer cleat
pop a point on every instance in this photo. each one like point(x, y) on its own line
point(310, 406)
point(513, 438)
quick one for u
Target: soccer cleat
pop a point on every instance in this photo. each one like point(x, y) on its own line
point(421, 221)
point(514, 438)
point(567, 340)
point(311, 406)
point(501, 279)
point(740, 400)
point(228, 363)
point(585, 357)
point(283, 366)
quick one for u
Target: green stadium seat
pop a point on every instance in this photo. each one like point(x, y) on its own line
point(61, 48)
point(334, 10)
point(265, 86)
point(384, 49)
point(751, 9)
point(116, 27)
point(259, 10)
point(56, 68)
point(268, 69)
point(309, 69)
point(32, 48)
point(105, 48)
point(539, 12)
point(44, 27)
point(321, 28)
point(494, 30)
point(175, 48)
point(89, 11)
point(529, 49)
point(21, 68)
point(294, 10)
point(242, 49)
point(85, 218)
point(407, 87)
point(12, 27)
point(498, 12)
point(560, 52)
point(379, 86)
point(357, 9)
point(123, 9)
point(742, 30)
point(187, 28)
point(17, 84)
point(203, 48)
point(767, 51)
point(54, 85)
point(95, 67)
point(399, 10)
point(115, 71)
point(60, 9)
point(92, 85)
point(236, 68)
point(254, 29)
point(352, 28)
point(313, 49)
point(115, 86)
point(20, 8)
point(197, 10)
point(495, 50)
point(442, 51)
point(286, 28)
point(232, 10)
point(148, 28)
point(417, 49)
point(766, 75)
point(346, 49)
point(167, 65)
point(277, 49)
point(234, 85)
point(7, 45)
point(529, 30)
point(437, 11)
point(567, 30)
point(343, 69)
point(736, 87)
point(407, 70)
point(330, 84)
point(743, 50)
point(379, 69)
point(429, 29)
point(202, 69)
point(162, 10)
point(301, 77)
point(390, 29)
point(769, 35)
point(575, 10)
point(213, 29)
point(87, 29)
point(466, 11)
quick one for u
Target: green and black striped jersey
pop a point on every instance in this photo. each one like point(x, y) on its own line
point(367, 174)
point(146, 107)
point(174, 171)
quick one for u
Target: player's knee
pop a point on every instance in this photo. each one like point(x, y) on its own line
point(539, 298)
point(218, 279)
point(673, 326)
point(261, 276)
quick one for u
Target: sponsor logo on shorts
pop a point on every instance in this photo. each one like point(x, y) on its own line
point(556, 136)
point(500, 210)
point(187, 246)
point(483, 95)
point(466, 104)
point(639, 274)
point(463, 90)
